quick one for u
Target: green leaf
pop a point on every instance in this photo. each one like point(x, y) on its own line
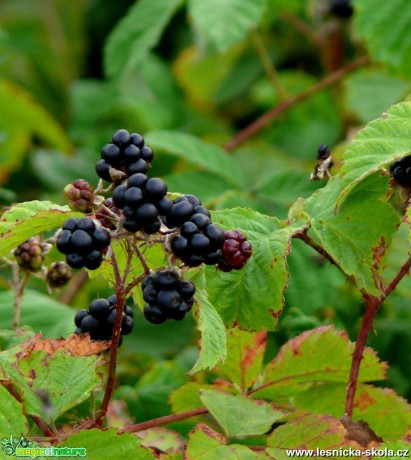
point(108, 444)
point(392, 448)
point(206, 444)
point(245, 353)
point(213, 335)
point(385, 28)
point(39, 311)
point(311, 432)
point(319, 355)
point(356, 238)
point(136, 34)
point(25, 220)
point(194, 150)
point(238, 415)
point(376, 146)
point(388, 415)
point(49, 385)
point(370, 92)
point(21, 118)
point(187, 396)
point(226, 22)
point(252, 297)
point(12, 419)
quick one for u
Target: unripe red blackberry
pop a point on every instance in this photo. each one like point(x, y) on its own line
point(58, 274)
point(80, 196)
point(106, 218)
point(235, 252)
point(30, 255)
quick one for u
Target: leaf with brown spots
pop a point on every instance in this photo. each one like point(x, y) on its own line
point(319, 355)
point(245, 353)
point(76, 344)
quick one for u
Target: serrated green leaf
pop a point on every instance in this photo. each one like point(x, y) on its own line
point(226, 22)
point(21, 118)
point(12, 419)
point(356, 238)
point(385, 28)
point(108, 444)
point(376, 146)
point(194, 150)
point(238, 415)
point(245, 353)
point(136, 34)
point(387, 414)
point(319, 355)
point(25, 220)
point(39, 311)
point(206, 444)
point(252, 297)
point(213, 348)
point(311, 432)
point(392, 448)
point(51, 385)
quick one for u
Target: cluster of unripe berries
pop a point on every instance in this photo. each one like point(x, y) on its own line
point(167, 296)
point(100, 317)
point(401, 171)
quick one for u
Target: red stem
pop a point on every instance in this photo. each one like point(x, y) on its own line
point(111, 378)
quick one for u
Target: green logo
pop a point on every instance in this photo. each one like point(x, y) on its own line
point(22, 447)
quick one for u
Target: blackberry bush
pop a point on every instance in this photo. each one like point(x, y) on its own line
point(82, 241)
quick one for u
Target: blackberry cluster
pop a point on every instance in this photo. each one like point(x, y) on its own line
point(82, 241)
point(235, 252)
point(80, 196)
point(126, 153)
point(30, 255)
point(199, 241)
point(143, 202)
point(99, 319)
point(401, 171)
point(167, 296)
point(58, 274)
point(106, 219)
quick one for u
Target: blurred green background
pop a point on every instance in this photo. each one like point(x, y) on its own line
point(72, 73)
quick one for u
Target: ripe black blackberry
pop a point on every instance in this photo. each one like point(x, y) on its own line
point(30, 254)
point(183, 208)
point(143, 202)
point(235, 252)
point(82, 241)
point(126, 153)
point(99, 319)
point(199, 241)
point(401, 171)
point(80, 196)
point(58, 274)
point(167, 296)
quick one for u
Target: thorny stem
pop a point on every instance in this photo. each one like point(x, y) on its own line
point(372, 305)
point(261, 122)
point(269, 67)
point(120, 294)
point(19, 289)
point(141, 258)
point(43, 426)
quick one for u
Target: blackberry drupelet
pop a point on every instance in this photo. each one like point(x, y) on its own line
point(235, 252)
